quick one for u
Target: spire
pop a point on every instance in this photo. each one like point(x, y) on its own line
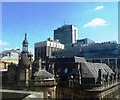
point(25, 40)
point(25, 36)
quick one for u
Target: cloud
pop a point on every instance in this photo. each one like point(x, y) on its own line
point(8, 48)
point(3, 43)
point(96, 22)
point(99, 7)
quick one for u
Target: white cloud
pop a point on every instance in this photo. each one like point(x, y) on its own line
point(96, 22)
point(3, 43)
point(99, 7)
point(8, 48)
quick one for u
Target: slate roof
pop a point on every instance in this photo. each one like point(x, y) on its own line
point(79, 59)
point(43, 74)
point(25, 42)
point(90, 70)
point(68, 59)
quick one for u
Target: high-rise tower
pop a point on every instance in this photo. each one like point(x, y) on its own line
point(66, 34)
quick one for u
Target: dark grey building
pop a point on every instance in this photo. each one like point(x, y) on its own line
point(81, 71)
point(66, 34)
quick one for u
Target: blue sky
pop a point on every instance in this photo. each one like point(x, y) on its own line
point(97, 21)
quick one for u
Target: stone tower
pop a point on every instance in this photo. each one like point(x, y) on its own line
point(25, 64)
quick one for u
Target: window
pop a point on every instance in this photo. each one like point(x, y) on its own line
point(74, 70)
point(66, 70)
point(75, 36)
point(70, 83)
point(22, 76)
point(84, 70)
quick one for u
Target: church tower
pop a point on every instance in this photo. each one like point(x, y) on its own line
point(25, 45)
point(25, 64)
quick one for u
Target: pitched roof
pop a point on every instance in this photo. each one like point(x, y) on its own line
point(91, 69)
point(68, 59)
point(43, 74)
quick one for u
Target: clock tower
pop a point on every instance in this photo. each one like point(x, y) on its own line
point(25, 64)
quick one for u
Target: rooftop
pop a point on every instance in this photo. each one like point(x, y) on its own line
point(42, 74)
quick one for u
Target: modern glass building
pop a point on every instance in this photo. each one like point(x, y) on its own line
point(66, 34)
point(106, 52)
point(84, 41)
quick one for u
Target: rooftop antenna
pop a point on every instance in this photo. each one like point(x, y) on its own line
point(64, 23)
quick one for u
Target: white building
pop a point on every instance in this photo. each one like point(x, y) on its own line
point(45, 49)
point(10, 55)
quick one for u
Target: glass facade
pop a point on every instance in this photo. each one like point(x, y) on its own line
point(103, 53)
point(107, 50)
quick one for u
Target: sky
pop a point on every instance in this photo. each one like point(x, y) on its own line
point(95, 20)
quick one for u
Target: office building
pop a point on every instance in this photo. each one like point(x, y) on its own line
point(66, 34)
point(45, 49)
point(84, 41)
point(106, 52)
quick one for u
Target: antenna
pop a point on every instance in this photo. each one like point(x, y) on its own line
point(64, 22)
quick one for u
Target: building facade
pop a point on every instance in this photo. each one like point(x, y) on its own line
point(106, 52)
point(81, 71)
point(45, 49)
point(85, 41)
point(66, 34)
point(9, 56)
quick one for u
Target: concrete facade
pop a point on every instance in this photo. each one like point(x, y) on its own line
point(45, 49)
